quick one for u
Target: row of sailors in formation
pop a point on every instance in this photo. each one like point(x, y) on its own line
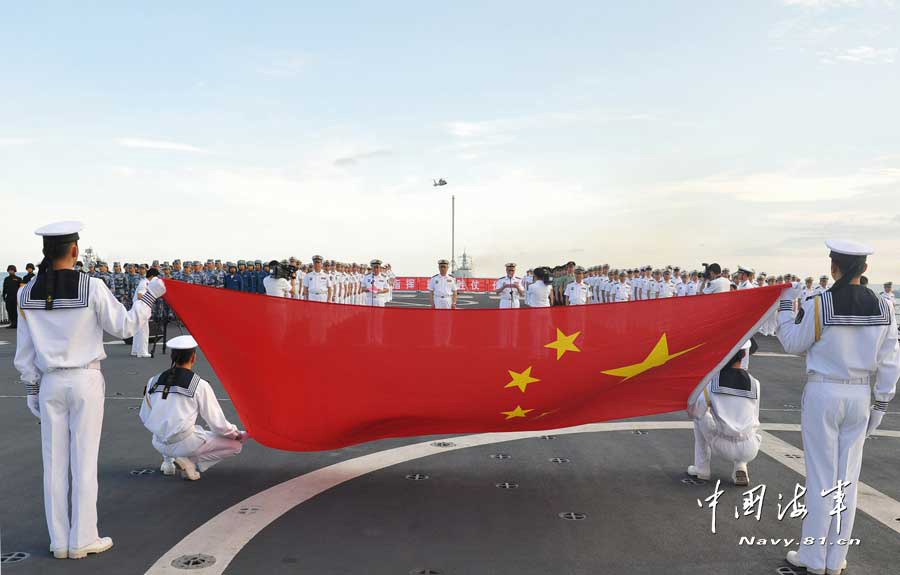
point(602, 285)
point(331, 281)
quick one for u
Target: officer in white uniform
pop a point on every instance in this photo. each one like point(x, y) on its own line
point(442, 288)
point(578, 292)
point(316, 284)
point(823, 285)
point(888, 293)
point(745, 278)
point(274, 285)
point(172, 401)
point(726, 420)
point(140, 343)
point(375, 285)
point(849, 336)
point(622, 289)
point(63, 314)
point(510, 288)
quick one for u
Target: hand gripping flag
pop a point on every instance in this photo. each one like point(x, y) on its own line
point(307, 376)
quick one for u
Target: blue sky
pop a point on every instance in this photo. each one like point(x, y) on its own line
point(628, 133)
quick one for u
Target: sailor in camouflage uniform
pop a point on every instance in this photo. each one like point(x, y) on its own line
point(197, 277)
point(120, 284)
point(261, 274)
point(219, 273)
point(105, 275)
point(249, 275)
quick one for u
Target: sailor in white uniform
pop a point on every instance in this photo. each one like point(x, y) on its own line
point(622, 289)
point(510, 288)
point(172, 401)
point(375, 285)
point(745, 278)
point(849, 336)
point(442, 288)
point(317, 284)
point(140, 344)
point(578, 292)
point(63, 314)
point(888, 293)
point(822, 287)
point(726, 420)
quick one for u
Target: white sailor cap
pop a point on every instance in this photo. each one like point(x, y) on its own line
point(58, 231)
point(182, 342)
point(849, 247)
point(743, 270)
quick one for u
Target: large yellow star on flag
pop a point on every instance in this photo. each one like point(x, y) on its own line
point(521, 380)
point(517, 412)
point(659, 356)
point(563, 343)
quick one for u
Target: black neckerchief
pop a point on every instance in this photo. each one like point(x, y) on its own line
point(179, 377)
point(70, 290)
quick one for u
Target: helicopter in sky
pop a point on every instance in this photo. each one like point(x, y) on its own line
point(440, 182)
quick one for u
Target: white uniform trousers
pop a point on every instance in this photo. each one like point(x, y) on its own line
point(506, 303)
point(443, 302)
point(376, 300)
point(318, 296)
point(71, 403)
point(708, 441)
point(833, 422)
point(204, 448)
point(140, 344)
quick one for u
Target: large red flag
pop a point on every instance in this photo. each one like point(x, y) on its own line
point(308, 376)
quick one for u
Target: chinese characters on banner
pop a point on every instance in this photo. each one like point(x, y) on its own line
point(478, 285)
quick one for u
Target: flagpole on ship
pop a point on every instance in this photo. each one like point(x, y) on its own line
point(453, 234)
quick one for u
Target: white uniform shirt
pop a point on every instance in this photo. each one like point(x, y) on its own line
point(538, 294)
point(746, 284)
point(141, 289)
point(373, 282)
point(316, 283)
point(736, 413)
point(841, 346)
point(717, 285)
point(652, 289)
point(277, 287)
point(622, 291)
point(178, 413)
point(578, 293)
point(71, 335)
point(509, 294)
point(442, 286)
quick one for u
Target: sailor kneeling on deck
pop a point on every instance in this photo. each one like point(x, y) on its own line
point(726, 420)
point(172, 401)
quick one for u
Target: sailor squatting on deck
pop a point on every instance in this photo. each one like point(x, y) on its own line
point(172, 401)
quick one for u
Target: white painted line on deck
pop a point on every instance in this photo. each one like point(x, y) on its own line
point(773, 354)
point(223, 539)
point(868, 499)
point(4, 343)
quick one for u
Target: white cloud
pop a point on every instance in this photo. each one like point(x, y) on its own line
point(141, 143)
point(861, 54)
point(9, 142)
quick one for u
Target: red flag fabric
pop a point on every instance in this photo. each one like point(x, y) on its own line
point(307, 376)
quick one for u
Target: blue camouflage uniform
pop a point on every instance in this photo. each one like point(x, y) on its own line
point(249, 276)
point(261, 274)
point(233, 281)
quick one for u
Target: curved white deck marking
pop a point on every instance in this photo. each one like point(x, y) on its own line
point(227, 533)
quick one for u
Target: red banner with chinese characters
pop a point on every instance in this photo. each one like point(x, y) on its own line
point(463, 284)
point(308, 376)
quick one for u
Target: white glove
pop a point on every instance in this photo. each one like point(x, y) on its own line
point(875, 417)
point(243, 437)
point(33, 405)
point(157, 287)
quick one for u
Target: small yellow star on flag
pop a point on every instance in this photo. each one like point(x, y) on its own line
point(658, 356)
point(521, 380)
point(563, 343)
point(517, 412)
